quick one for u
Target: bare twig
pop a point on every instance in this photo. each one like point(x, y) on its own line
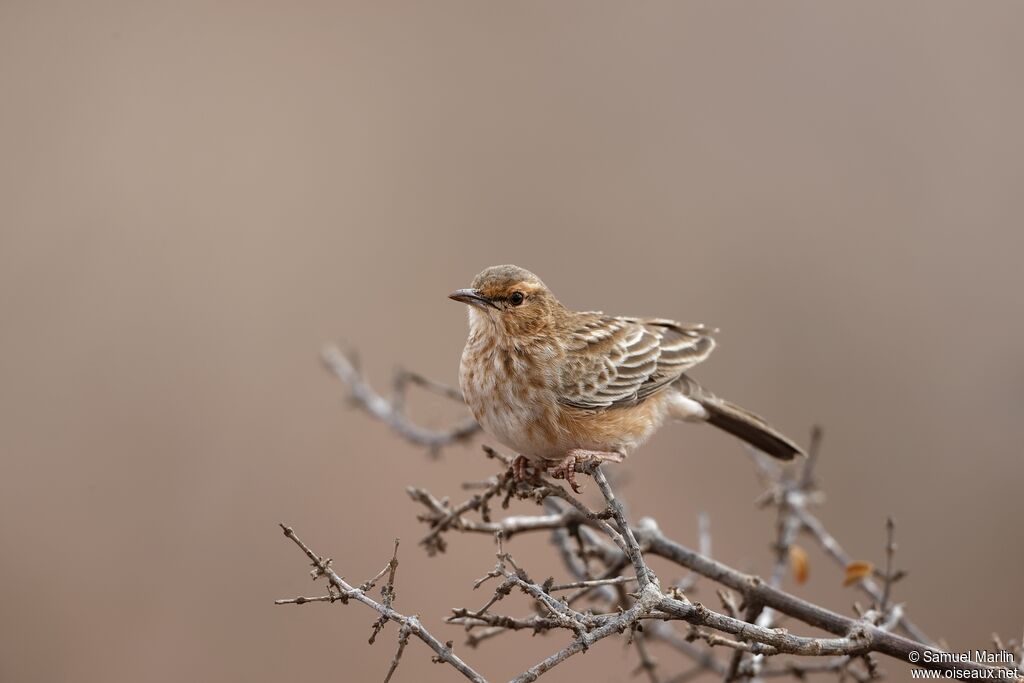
point(792, 491)
point(629, 545)
point(403, 639)
point(703, 545)
point(388, 592)
point(795, 497)
point(302, 601)
point(582, 643)
point(403, 377)
point(443, 652)
point(392, 412)
point(890, 550)
point(590, 584)
point(648, 664)
point(832, 547)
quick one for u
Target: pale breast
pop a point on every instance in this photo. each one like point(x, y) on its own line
point(509, 395)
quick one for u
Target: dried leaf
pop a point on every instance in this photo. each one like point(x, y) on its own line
point(855, 571)
point(798, 562)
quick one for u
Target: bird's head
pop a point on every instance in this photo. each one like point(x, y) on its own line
point(512, 299)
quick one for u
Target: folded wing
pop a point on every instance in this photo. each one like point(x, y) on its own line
point(620, 361)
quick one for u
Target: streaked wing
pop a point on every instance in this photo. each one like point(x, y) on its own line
point(621, 361)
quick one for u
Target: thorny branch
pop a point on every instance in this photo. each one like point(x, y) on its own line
point(410, 625)
point(596, 546)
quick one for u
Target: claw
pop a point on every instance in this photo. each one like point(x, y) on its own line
point(566, 469)
point(519, 466)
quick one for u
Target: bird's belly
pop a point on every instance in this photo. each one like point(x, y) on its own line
point(522, 415)
point(542, 429)
point(526, 424)
point(517, 430)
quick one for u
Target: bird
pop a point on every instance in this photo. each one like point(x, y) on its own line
point(565, 388)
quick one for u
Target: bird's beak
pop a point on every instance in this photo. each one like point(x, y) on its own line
point(471, 297)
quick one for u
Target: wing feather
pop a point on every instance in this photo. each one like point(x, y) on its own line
point(615, 361)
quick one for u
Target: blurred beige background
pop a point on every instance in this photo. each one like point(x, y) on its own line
point(195, 196)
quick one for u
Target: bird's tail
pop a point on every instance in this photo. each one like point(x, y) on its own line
point(731, 418)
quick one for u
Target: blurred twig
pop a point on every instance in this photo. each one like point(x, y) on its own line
point(392, 412)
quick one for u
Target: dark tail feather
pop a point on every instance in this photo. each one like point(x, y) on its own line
point(739, 422)
point(751, 428)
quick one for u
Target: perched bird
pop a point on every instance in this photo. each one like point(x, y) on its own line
point(561, 387)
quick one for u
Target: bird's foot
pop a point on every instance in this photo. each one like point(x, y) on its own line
point(566, 469)
point(519, 465)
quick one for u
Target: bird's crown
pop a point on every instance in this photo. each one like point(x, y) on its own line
point(498, 281)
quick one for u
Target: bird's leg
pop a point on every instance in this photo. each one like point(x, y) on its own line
point(519, 466)
point(566, 469)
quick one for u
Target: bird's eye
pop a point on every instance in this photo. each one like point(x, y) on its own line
point(516, 298)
